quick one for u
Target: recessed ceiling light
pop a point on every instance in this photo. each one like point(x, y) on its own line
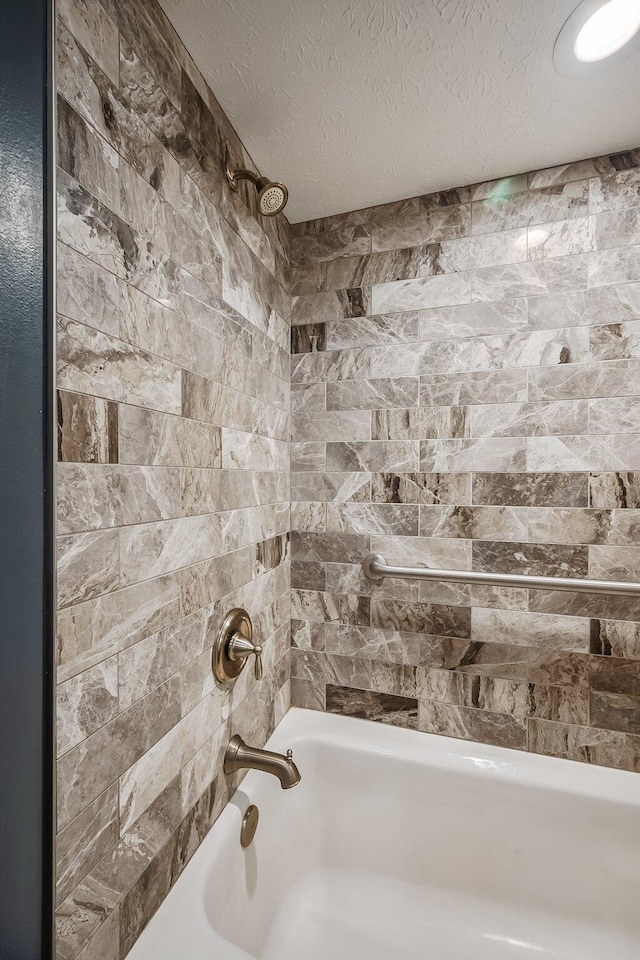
point(597, 31)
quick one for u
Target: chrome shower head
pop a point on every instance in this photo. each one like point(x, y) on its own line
point(272, 196)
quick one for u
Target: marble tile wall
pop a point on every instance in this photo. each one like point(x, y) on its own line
point(466, 394)
point(173, 475)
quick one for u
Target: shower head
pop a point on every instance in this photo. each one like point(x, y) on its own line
point(272, 196)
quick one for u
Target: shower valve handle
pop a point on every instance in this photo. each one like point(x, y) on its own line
point(241, 647)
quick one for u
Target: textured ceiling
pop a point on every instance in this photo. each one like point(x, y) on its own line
point(358, 102)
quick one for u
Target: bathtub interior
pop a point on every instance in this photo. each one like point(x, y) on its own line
point(397, 843)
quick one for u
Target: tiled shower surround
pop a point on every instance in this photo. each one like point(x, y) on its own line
point(466, 394)
point(173, 480)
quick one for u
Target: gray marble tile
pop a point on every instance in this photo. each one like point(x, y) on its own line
point(387, 519)
point(101, 893)
point(348, 425)
point(328, 547)
point(333, 305)
point(101, 104)
point(618, 228)
point(327, 487)
point(350, 578)
point(147, 664)
point(545, 631)
point(86, 156)
point(469, 253)
point(196, 346)
point(614, 562)
point(207, 491)
point(481, 523)
point(94, 496)
point(615, 638)
point(149, 774)
point(596, 606)
point(308, 398)
point(87, 565)
point(247, 451)
point(377, 456)
point(556, 202)
point(362, 271)
point(87, 428)
point(436, 488)
point(516, 698)
point(471, 320)
point(493, 453)
point(451, 554)
point(85, 703)
point(92, 362)
point(501, 386)
point(420, 423)
point(347, 241)
point(611, 490)
point(90, 632)
point(84, 842)
point(422, 293)
point(621, 265)
point(615, 192)
point(90, 767)
point(203, 583)
point(156, 439)
point(560, 454)
point(370, 643)
point(590, 745)
point(469, 724)
point(563, 418)
point(327, 608)
point(415, 223)
point(613, 711)
point(562, 238)
point(615, 341)
point(310, 456)
point(616, 378)
point(213, 402)
point(581, 169)
point(307, 576)
point(96, 31)
point(310, 696)
point(307, 635)
point(372, 331)
point(601, 305)
point(531, 489)
point(614, 415)
point(533, 279)
point(368, 705)
point(437, 619)
point(86, 292)
point(538, 559)
point(322, 668)
point(372, 394)
point(330, 365)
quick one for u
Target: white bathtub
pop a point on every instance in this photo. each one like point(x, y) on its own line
point(400, 845)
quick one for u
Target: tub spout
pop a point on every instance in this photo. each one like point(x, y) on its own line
point(241, 757)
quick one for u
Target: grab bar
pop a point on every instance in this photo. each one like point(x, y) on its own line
point(376, 568)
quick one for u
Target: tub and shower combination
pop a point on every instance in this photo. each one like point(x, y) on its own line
point(398, 844)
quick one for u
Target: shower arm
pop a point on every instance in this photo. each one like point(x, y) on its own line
point(233, 176)
point(376, 568)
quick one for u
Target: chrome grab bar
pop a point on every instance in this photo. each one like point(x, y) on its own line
point(376, 568)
